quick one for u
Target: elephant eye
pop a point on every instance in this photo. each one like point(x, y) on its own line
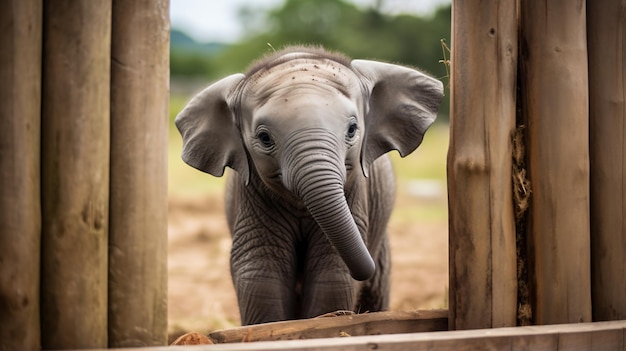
point(265, 138)
point(352, 128)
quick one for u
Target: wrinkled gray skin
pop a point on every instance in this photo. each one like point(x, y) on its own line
point(308, 208)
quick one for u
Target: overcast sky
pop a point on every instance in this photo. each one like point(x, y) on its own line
point(216, 20)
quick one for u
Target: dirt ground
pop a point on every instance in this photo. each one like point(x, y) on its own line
point(201, 296)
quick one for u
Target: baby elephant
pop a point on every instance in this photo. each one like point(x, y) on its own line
point(307, 132)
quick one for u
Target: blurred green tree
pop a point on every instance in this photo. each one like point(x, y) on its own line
point(337, 25)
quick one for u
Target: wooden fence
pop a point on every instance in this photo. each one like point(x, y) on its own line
point(83, 144)
point(537, 163)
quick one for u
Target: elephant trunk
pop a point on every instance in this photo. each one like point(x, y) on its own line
point(314, 171)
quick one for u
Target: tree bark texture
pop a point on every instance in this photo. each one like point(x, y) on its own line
point(75, 173)
point(20, 210)
point(606, 40)
point(138, 211)
point(483, 281)
point(555, 103)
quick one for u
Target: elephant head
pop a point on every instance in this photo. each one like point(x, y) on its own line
point(304, 122)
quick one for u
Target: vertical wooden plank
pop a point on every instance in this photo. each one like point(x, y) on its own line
point(607, 340)
point(555, 103)
point(138, 213)
point(483, 282)
point(75, 173)
point(20, 211)
point(606, 40)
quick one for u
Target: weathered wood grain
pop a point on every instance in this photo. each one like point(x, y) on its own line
point(20, 210)
point(565, 337)
point(138, 194)
point(483, 281)
point(392, 322)
point(555, 104)
point(606, 40)
point(75, 173)
point(594, 336)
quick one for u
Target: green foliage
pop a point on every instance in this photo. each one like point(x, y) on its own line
point(189, 65)
point(335, 24)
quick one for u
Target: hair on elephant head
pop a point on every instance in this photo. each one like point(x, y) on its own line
point(305, 130)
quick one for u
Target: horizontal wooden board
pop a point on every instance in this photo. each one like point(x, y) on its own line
point(391, 322)
point(561, 337)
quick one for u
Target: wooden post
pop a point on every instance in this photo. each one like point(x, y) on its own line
point(138, 212)
point(554, 86)
point(20, 211)
point(606, 40)
point(483, 282)
point(75, 173)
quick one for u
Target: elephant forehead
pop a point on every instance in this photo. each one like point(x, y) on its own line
point(297, 75)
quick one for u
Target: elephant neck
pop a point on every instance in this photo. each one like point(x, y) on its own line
point(277, 196)
point(287, 202)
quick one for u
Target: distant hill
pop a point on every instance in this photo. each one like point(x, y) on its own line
point(180, 41)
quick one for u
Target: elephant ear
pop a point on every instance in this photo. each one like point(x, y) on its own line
point(211, 139)
point(401, 104)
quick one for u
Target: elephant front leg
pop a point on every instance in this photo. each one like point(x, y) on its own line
point(327, 285)
point(264, 278)
point(263, 299)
